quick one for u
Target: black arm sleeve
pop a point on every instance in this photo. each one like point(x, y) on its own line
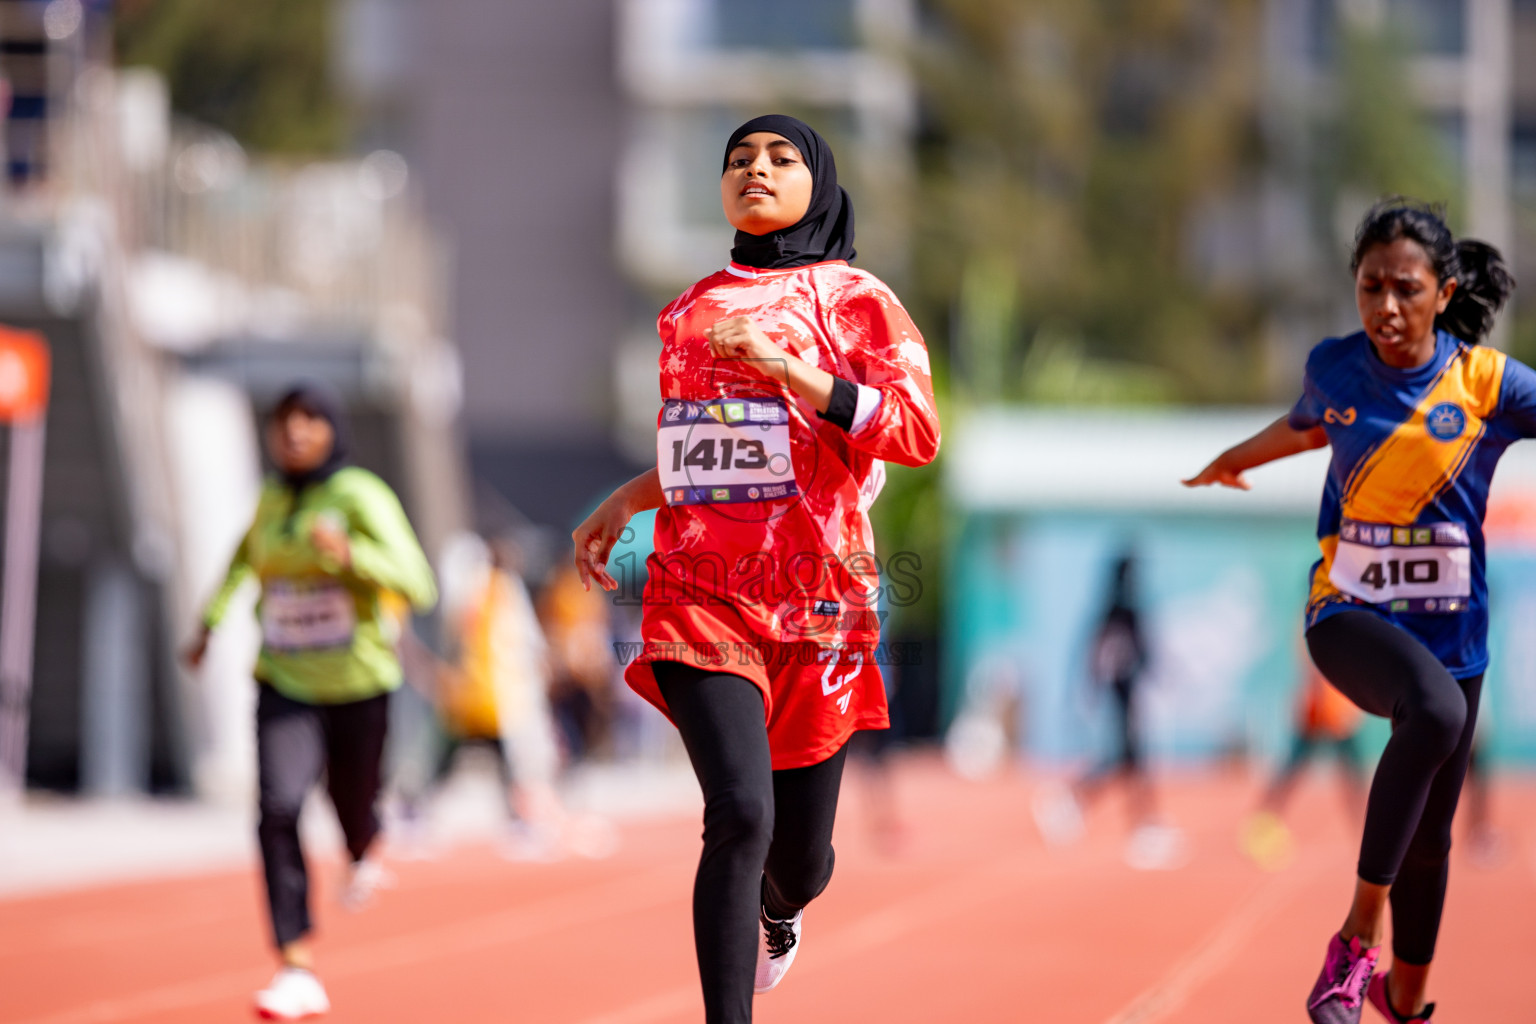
point(842, 405)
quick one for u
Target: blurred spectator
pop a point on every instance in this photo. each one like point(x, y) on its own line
point(581, 663)
point(328, 543)
point(871, 751)
point(1325, 717)
point(1116, 662)
point(494, 693)
point(1485, 842)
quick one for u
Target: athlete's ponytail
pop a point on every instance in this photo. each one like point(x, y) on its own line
point(1483, 282)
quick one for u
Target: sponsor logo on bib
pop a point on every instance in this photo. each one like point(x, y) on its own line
point(1445, 422)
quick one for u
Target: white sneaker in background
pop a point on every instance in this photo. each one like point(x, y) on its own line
point(1157, 848)
point(364, 880)
point(591, 836)
point(530, 843)
point(778, 942)
point(410, 838)
point(1057, 815)
point(293, 994)
point(1486, 848)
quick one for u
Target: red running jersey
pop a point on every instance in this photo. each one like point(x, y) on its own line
point(799, 569)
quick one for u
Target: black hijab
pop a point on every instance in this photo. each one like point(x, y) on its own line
point(319, 400)
point(826, 230)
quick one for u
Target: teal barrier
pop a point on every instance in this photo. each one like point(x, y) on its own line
point(1222, 601)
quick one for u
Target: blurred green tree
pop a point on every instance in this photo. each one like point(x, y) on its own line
point(1378, 141)
point(1079, 158)
point(260, 71)
point(1066, 148)
point(1371, 139)
point(1071, 146)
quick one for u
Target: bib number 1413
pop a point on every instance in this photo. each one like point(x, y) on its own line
point(725, 450)
point(746, 453)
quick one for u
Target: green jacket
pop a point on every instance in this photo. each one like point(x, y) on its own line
point(328, 636)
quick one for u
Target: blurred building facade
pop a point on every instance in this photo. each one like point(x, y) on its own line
point(1461, 62)
point(511, 116)
point(181, 284)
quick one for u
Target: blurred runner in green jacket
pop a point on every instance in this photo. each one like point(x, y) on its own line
point(330, 546)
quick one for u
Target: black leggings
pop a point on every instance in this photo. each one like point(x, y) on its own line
point(295, 743)
point(767, 834)
point(1407, 840)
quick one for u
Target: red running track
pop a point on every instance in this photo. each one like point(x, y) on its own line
point(972, 921)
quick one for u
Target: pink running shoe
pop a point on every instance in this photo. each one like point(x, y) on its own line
point(1377, 994)
point(1339, 995)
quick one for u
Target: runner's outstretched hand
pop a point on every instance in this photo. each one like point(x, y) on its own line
point(594, 540)
point(595, 537)
point(1219, 472)
point(1276, 441)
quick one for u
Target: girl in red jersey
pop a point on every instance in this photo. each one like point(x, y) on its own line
point(787, 379)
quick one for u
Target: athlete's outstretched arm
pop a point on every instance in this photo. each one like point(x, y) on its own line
point(1275, 441)
point(239, 570)
point(595, 537)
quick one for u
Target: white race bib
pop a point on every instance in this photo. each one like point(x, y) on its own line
point(726, 450)
point(1407, 568)
point(306, 616)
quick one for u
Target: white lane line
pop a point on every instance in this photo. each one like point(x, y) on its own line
point(208, 989)
point(614, 899)
point(64, 936)
point(674, 1002)
point(975, 887)
point(1218, 949)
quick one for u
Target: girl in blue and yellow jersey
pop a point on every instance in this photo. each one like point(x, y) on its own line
point(1417, 414)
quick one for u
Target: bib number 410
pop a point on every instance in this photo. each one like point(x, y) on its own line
point(1394, 572)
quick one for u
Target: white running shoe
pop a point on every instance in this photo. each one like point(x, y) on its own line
point(779, 941)
point(293, 994)
point(1057, 815)
point(1157, 848)
point(364, 880)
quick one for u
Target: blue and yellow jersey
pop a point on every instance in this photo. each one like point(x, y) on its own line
point(1401, 525)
